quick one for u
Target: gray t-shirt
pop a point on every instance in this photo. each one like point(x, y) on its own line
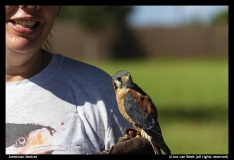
point(67, 108)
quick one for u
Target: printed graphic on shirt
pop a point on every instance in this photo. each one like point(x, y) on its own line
point(29, 139)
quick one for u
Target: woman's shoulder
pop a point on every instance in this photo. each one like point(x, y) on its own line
point(85, 78)
point(74, 67)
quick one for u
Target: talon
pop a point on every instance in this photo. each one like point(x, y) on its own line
point(126, 136)
point(137, 136)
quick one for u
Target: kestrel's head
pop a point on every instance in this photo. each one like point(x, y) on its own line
point(122, 80)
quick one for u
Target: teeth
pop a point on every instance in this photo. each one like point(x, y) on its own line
point(23, 23)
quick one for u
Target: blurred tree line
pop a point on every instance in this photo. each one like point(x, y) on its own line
point(95, 18)
point(92, 19)
point(221, 17)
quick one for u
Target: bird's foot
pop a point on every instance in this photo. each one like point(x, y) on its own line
point(126, 136)
point(130, 132)
point(138, 135)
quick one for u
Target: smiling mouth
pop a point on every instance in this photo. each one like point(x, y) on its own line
point(24, 24)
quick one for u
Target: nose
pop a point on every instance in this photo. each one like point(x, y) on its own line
point(29, 6)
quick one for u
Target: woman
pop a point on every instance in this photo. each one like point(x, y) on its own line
point(54, 104)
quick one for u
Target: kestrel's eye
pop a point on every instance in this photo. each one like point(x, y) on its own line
point(119, 79)
point(20, 142)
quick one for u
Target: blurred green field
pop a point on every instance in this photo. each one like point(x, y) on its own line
point(191, 96)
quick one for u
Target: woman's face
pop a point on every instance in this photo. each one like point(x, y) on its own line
point(27, 27)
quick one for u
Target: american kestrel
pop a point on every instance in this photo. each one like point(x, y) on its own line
point(139, 110)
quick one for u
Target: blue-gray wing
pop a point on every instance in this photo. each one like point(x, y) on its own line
point(144, 120)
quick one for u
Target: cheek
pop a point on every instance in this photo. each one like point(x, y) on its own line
point(51, 14)
point(53, 10)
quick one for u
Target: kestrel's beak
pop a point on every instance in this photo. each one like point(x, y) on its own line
point(125, 78)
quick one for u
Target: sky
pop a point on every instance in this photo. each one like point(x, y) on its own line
point(171, 15)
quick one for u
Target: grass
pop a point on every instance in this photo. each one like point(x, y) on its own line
point(187, 82)
point(191, 96)
point(190, 137)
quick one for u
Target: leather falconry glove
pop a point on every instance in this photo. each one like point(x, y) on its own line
point(130, 144)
